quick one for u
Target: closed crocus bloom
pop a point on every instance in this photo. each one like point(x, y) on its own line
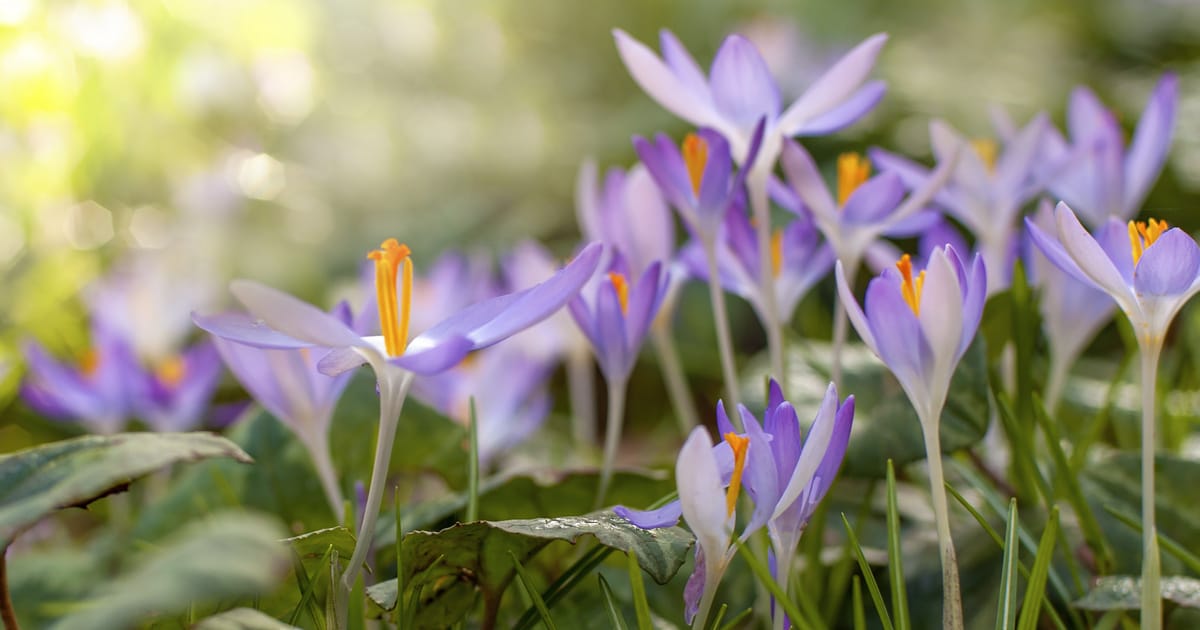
point(1095, 172)
point(627, 212)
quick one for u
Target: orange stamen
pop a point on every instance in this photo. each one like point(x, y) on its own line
point(393, 313)
point(695, 157)
point(621, 286)
point(777, 252)
point(987, 151)
point(89, 362)
point(910, 289)
point(852, 171)
point(171, 371)
point(1142, 235)
point(740, 445)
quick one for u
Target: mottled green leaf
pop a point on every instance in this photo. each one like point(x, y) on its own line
point(1123, 592)
point(242, 619)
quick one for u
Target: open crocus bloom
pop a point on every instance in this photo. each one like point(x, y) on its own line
point(174, 395)
point(739, 90)
point(617, 314)
point(95, 392)
point(921, 324)
point(1096, 174)
point(286, 322)
point(1150, 269)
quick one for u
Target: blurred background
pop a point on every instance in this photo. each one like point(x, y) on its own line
point(282, 139)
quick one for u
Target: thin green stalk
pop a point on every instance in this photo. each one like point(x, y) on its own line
point(952, 616)
point(472, 467)
point(895, 563)
point(1151, 616)
point(673, 377)
point(724, 340)
point(756, 188)
point(391, 403)
point(7, 614)
point(581, 388)
point(612, 435)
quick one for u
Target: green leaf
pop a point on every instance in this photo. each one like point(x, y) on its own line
point(73, 473)
point(451, 565)
point(610, 605)
point(533, 593)
point(640, 606)
point(1036, 589)
point(227, 556)
point(1006, 615)
point(242, 619)
point(865, 568)
point(885, 425)
point(1123, 592)
point(895, 564)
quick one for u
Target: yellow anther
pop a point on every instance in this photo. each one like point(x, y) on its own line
point(777, 252)
point(695, 157)
point(852, 170)
point(393, 312)
point(1142, 234)
point(621, 286)
point(910, 288)
point(171, 371)
point(89, 362)
point(740, 445)
point(987, 151)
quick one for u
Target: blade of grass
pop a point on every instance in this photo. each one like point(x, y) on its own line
point(1006, 613)
point(738, 619)
point(716, 622)
point(860, 613)
point(472, 466)
point(840, 574)
point(895, 565)
point(638, 587)
point(1189, 559)
point(307, 588)
point(533, 593)
point(399, 612)
point(865, 569)
point(610, 604)
point(1035, 591)
point(763, 574)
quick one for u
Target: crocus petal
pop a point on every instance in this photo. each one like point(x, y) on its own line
point(647, 219)
point(761, 478)
point(293, 317)
point(665, 516)
point(834, 454)
point(244, 329)
point(874, 199)
point(854, 312)
point(714, 184)
point(922, 195)
point(805, 178)
point(723, 424)
point(846, 114)
point(1151, 141)
point(1013, 166)
point(616, 359)
point(1056, 254)
point(644, 301)
point(1169, 266)
point(813, 452)
point(834, 86)
point(658, 80)
point(973, 303)
point(941, 311)
point(587, 210)
point(701, 495)
point(900, 340)
point(684, 66)
point(1086, 115)
point(1088, 254)
point(693, 590)
point(449, 352)
point(741, 85)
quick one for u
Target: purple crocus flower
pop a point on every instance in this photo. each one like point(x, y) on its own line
point(1095, 173)
point(616, 316)
point(174, 395)
point(798, 255)
point(739, 90)
point(698, 179)
point(626, 212)
point(988, 188)
point(287, 383)
point(95, 391)
point(865, 208)
point(509, 390)
point(1149, 269)
point(1072, 311)
point(786, 477)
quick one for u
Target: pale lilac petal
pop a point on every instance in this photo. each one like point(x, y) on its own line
point(1053, 250)
point(659, 82)
point(901, 342)
point(644, 300)
point(723, 424)
point(853, 311)
point(834, 454)
point(448, 353)
point(1013, 166)
point(926, 190)
point(245, 329)
point(693, 590)
point(942, 309)
point(587, 210)
point(714, 184)
point(741, 84)
point(784, 427)
point(1086, 115)
point(812, 453)
point(873, 200)
point(1169, 266)
point(1113, 237)
point(293, 317)
point(837, 84)
point(684, 66)
point(846, 114)
point(1088, 254)
point(1151, 141)
point(341, 360)
point(701, 493)
point(973, 303)
point(761, 478)
point(648, 220)
point(805, 178)
point(665, 516)
point(666, 166)
point(615, 356)
point(910, 172)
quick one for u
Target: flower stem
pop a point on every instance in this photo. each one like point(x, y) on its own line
point(724, 342)
point(328, 477)
point(7, 614)
point(712, 579)
point(756, 188)
point(783, 570)
point(1056, 382)
point(391, 401)
point(672, 370)
point(952, 615)
point(612, 434)
point(1151, 617)
point(581, 386)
